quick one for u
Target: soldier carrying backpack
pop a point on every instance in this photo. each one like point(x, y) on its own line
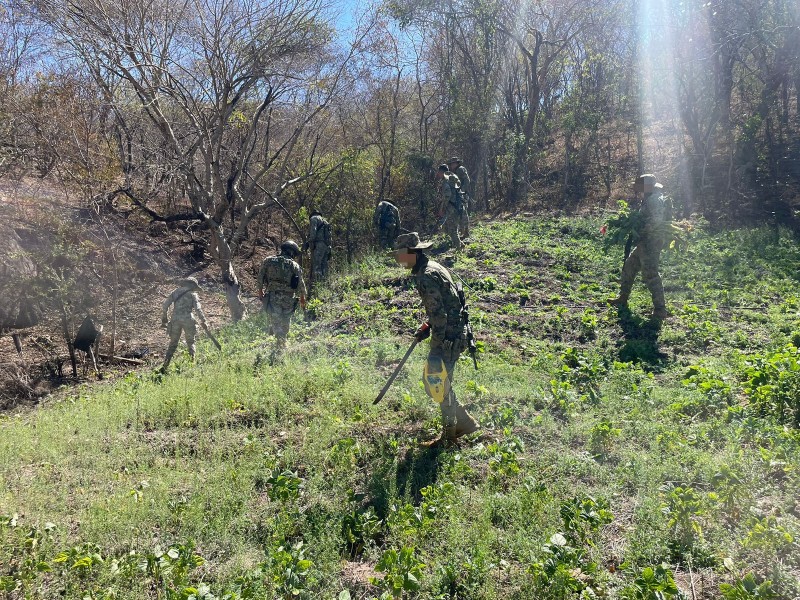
point(281, 287)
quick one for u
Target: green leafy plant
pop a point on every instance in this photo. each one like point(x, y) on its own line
point(684, 507)
point(773, 384)
point(747, 588)
point(564, 572)
point(583, 517)
point(288, 570)
point(402, 572)
point(653, 584)
point(359, 527)
point(602, 436)
point(284, 485)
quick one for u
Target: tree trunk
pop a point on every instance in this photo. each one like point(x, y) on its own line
point(223, 256)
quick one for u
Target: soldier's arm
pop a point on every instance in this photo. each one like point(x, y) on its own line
point(431, 293)
point(165, 307)
point(301, 284)
point(198, 309)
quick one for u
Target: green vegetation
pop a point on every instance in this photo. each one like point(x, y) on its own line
point(618, 458)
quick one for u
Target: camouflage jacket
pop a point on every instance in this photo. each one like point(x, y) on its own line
point(280, 274)
point(466, 182)
point(451, 193)
point(652, 216)
point(186, 302)
point(386, 215)
point(319, 232)
point(440, 297)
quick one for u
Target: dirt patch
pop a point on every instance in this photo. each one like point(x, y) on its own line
point(118, 273)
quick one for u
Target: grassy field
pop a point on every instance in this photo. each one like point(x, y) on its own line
point(619, 458)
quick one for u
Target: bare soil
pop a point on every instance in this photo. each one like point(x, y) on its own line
point(149, 258)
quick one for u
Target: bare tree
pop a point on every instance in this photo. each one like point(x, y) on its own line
point(227, 87)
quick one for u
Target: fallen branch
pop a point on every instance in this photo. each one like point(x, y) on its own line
point(132, 361)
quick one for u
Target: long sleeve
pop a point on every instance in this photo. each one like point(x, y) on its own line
point(197, 307)
point(165, 307)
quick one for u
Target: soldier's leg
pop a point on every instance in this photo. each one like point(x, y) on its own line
point(279, 321)
point(190, 333)
point(652, 279)
point(451, 226)
point(320, 256)
point(464, 422)
point(464, 222)
point(629, 271)
point(174, 332)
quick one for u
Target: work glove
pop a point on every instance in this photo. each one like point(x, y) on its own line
point(303, 302)
point(423, 332)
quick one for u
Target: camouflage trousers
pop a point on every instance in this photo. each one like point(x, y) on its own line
point(448, 351)
point(174, 330)
point(387, 236)
point(456, 224)
point(319, 261)
point(645, 258)
point(279, 309)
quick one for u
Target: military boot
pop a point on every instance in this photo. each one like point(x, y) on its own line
point(466, 423)
point(446, 440)
point(660, 313)
point(619, 302)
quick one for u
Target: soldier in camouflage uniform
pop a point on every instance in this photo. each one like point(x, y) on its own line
point(646, 255)
point(452, 208)
point(461, 172)
point(387, 223)
point(280, 285)
point(447, 327)
point(186, 303)
point(319, 241)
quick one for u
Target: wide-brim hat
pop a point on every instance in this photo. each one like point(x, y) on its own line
point(191, 283)
point(411, 241)
point(454, 159)
point(646, 183)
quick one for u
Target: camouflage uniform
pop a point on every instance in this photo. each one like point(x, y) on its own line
point(455, 213)
point(186, 303)
point(387, 222)
point(448, 331)
point(466, 187)
point(282, 278)
point(319, 240)
point(646, 256)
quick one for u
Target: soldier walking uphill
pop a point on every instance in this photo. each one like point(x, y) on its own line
point(455, 166)
point(447, 328)
point(452, 208)
point(319, 241)
point(387, 223)
point(187, 305)
point(646, 255)
point(281, 286)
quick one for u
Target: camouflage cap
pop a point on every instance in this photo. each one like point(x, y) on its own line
point(411, 241)
point(454, 159)
point(290, 247)
point(190, 282)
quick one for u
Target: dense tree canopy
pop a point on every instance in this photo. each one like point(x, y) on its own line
point(225, 111)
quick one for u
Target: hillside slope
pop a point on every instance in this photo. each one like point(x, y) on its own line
point(618, 458)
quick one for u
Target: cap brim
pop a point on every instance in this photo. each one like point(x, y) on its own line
point(420, 246)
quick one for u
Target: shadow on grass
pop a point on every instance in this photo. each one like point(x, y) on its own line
point(640, 340)
point(404, 478)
